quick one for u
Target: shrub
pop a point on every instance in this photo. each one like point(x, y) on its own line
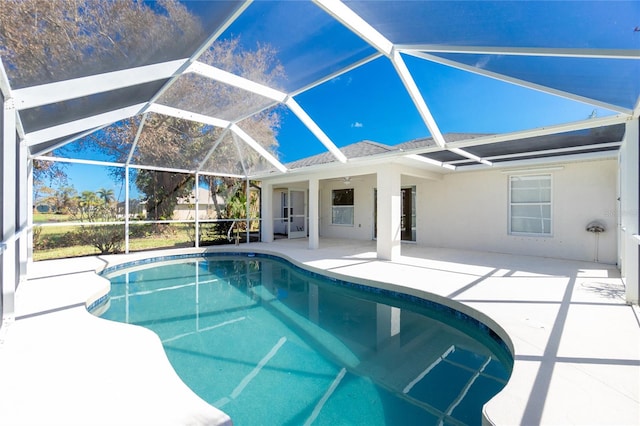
point(106, 238)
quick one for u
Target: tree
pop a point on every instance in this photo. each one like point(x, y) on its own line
point(236, 209)
point(162, 189)
point(65, 199)
point(106, 195)
point(177, 143)
point(45, 41)
point(50, 41)
point(46, 176)
point(231, 155)
point(95, 208)
point(88, 203)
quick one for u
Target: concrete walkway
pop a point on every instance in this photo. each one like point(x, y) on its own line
point(576, 342)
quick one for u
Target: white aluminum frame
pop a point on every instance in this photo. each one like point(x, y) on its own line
point(16, 176)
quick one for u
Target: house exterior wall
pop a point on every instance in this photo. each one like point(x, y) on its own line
point(470, 211)
point(185, 207)
point(362, 229)
point(188, 212)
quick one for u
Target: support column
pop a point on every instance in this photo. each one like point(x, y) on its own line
point(9, 171)
point(126, 208)
point(314, 215)
point(247, 211)
point(24, 203)
point(196, 208)
point(630, 211)
point(29, 212)
point(389, 199)
point(266, 226)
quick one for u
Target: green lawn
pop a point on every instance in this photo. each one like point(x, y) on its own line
point(135, 244)
point(59, 241)
point(50, 217)
point(55, 242)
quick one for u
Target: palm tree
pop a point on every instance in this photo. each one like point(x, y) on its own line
point(87, 202)
point(106, 194)
point(236, 209)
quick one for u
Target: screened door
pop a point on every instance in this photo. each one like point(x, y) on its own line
point(297, 214)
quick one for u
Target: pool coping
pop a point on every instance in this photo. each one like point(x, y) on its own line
point(514, 404)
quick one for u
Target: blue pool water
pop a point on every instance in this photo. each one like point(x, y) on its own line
point(271, 344)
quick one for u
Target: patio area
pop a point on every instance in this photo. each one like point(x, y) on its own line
point(576, 342)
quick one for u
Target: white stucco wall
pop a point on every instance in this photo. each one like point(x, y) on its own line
point(470, 211)
point(362, 228)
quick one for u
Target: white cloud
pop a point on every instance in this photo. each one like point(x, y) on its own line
point(482, 62)
point(357, 125)
point(339, 79)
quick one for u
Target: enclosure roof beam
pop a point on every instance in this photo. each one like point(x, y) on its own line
point(207, 44)
point(36, 150)
point(50, 93)
point(258, 148)
point(7, 93)
point(77, 126)
point(236, 144)
point(355, 23)
point(174, 112)
point(470, 156)
point(524, 134)
point(315, 129)
point(236, 81)
point(5, 86)
point(521, 83)
point(431, 161)
point(136, 138)
point(213, 148)
point(417, 98)
point(523, 51)
point(364, 30)
point(132, 166)
point(187, 115)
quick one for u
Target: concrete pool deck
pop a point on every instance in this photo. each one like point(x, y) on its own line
point(576, 342)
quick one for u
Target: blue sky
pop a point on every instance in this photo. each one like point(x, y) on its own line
point(370, 102)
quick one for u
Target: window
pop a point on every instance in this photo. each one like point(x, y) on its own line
point(530, 205)
point(342, 206)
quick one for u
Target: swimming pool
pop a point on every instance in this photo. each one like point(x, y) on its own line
point(270, 343)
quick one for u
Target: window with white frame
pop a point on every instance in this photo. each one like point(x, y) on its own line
point(342, 206)
point(530, 205)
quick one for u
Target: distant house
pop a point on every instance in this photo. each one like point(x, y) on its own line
point(137, 208)
point(186, 206)
point(43, 208)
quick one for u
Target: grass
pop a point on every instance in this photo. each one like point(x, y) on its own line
point(57, 242)
point(62, 252)
point(138, 244)
point(50, 217)
point(173, 237)
point(135, 244)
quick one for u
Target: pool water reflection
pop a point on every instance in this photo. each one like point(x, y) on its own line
point(269, 343)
